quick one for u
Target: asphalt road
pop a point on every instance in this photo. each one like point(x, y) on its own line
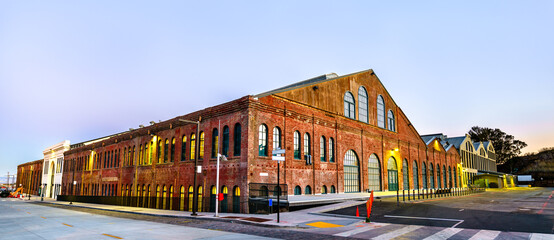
point(520, 210)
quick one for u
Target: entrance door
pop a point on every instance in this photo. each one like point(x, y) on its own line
point(351, 172)
point(392, 174)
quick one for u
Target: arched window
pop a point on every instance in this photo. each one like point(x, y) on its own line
point(193, 146)
point(322, 146)
point(455, 177)
point(215, 142)
point(415, 174)
point(236, 142)
point(349, 106)
point(201, 145)
point(307, 145)
point(392, 174)
point(262, 140)
point(276, 138)
point(405, 175)
point(164, 197)
point(380, 112)
point(182, 198)
point(236, 199)
point(374, 173)
point(431, 176)
point(324, 189)
point(333, 190)
point(264, 191)
point(390, 121)
point(159, 151)
point(424, 175)
point(449, 176)
point(296, 145)
point(184, 148)
point(439, 185)
point(124, 157)
point(199, 197)
point(191, 199)
point(158, 195)
point(213, 193)
point(166, 149)
point(145, 154)
point(297, 190)
point(362, 105)
point(140, 155)
point(331, 150)
point(308, 190)
point(172, 156)
point(351, 172)
point(444, 176)
point(225, 201)
point(225, 148)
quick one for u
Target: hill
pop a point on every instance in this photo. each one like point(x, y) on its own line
point(540, 165)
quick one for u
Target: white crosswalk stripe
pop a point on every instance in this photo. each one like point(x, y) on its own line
point(360, 230)
point(444, 234)
point(541, 236)
point(397, 233)
point(485, 234)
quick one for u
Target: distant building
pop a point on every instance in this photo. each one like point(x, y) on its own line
point(476, 157)
point(29, 176)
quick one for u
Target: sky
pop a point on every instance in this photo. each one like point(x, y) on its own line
point(79, 70)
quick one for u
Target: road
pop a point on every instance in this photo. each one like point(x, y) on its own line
point(521, 210)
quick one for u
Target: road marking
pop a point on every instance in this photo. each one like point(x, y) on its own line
point(67, 224)
point(116, 237)
point(396, 233)
point(28, 213)
point(540, 236)
point(357, 230)
point(324, 225)
point(485, 234)
point(444, 234)
point(461, 210)
point(460, 221)
point(43, 217)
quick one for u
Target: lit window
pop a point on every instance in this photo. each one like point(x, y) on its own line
point(172, 156)
point(184, 148)
point(192, 146)
point(201, 145)
point(215, 142)
point(166, 149)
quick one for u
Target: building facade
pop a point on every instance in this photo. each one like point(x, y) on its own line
point(340, 134)
point(29, 176)
point(52, 172)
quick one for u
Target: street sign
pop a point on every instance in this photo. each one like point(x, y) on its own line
point(278, 151)
point(220, 197)
point(278, 158)
point(199, 169)
point(270, 202)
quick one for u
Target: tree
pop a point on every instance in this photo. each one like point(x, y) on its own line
point(505, 146)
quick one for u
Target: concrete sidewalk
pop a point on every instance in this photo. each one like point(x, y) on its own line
point(296, 219)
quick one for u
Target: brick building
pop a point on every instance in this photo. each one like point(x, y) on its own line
point(341, 134)
point(29, 176)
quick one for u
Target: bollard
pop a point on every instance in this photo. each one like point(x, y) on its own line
point(418, 194)
point(397, 198)
point(403, 195)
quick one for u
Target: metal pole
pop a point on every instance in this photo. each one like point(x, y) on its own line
point(196, 155)
point(73, 181)
point(278, 192)
point(217, 172)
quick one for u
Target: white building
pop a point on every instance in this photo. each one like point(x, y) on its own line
point(52, 169)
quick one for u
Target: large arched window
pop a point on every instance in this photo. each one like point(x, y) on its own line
point(276, 138)
point(331, 150)
point(201, 146)
point(307, 145)
point(374, 173)
point(322, 146)
point(444, 176)
point(184, 148)
point(215, 142)
point(390, 121)
point(351, 172)
point(349, 106)
point(166, 149)
point(405, 175)
point(172, 155)
point(450, 176)
point(225, 148)
point(415, 174)
point(262, 140)
point(193, 146)
point(159, 152)
point(296, 145)
point(362, 105)
point(237, 140)
point(424, 175)
point(380, 112)
point(392, 171)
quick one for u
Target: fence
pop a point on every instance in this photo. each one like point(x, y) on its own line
point(420, 194)
point(262, 195)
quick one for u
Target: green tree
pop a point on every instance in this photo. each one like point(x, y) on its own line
point(505, 146)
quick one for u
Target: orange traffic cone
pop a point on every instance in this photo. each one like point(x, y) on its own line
point(357, 212)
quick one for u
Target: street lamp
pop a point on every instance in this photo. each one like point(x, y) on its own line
point(217, 173)
point(197, 149)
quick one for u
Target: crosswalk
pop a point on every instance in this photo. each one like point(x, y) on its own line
point(383, 231)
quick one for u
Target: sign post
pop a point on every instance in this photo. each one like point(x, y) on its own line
point(278, 155)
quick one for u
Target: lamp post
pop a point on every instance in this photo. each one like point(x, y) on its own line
point(197, 149)
point(217, 174)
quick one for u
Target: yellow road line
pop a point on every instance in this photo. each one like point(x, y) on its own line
point(116, 237)
point(28, 213)
point(67, 224)
point(43, 217)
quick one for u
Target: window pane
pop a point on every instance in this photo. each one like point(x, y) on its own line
point(362, 105)
point(380, 112)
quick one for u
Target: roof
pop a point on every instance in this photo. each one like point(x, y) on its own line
point(456, 141)
point(429, 138)
point(311, 81)
point(476, 145)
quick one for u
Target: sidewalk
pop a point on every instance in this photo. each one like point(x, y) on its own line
point(296, 219)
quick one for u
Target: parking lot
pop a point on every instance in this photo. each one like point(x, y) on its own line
point(514, 210)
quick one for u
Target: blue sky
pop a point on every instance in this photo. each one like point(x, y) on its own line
point(82, 70)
